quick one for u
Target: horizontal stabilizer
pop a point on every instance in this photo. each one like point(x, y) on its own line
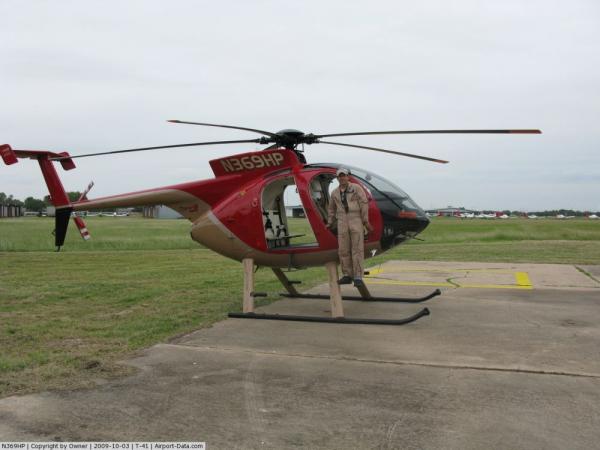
point(9, 156)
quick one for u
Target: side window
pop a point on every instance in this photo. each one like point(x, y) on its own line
point(284, 219)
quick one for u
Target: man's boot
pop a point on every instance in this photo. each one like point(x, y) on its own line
point(345, 280)
point(359, 283)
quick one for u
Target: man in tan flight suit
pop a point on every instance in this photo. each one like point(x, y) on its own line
point(350, 207)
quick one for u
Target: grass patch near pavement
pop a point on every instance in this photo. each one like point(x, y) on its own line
point(67, 318)
point(31, 234)
point(574, 241)
point(448, 230)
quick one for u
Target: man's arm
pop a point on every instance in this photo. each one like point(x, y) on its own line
point(363, 204)
point(331, 210)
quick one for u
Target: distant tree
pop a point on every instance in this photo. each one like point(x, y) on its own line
point(34, 204)
point(73, 196)
point(9, 200)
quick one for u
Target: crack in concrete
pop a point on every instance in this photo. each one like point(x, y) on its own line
point(586, 273)
point(451, 281)
point(382, 361)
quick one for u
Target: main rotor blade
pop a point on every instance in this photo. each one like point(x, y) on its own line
point(364, 133)
point(257, 141)
point(410, 155)
point(267, 133)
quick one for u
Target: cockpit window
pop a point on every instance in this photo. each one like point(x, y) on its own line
point(381, 184)
point(382, 189)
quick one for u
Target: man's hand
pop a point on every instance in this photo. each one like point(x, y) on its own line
point(369, 227)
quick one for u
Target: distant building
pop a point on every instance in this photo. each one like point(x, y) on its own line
point(160, 212)
point(294, 211)
point(11, 211)
point(450, 211)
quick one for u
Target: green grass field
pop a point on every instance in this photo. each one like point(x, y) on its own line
point(67, 318)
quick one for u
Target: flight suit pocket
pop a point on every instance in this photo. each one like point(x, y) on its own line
point(353, 203)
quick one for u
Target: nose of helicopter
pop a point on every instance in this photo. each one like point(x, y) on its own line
point(402, 220)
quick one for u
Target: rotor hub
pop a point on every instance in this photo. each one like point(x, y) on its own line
point(291, 138)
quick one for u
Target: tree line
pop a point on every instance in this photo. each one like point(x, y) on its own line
point(34, 204)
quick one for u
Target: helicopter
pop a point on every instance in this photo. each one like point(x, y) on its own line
point(241, 212)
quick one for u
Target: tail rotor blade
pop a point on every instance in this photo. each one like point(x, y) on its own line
point(410, 155)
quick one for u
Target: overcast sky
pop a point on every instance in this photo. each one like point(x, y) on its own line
point(85, 76)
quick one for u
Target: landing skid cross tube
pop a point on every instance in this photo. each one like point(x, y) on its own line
point(365, 295)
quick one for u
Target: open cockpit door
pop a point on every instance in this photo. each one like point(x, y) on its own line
point(315, 193)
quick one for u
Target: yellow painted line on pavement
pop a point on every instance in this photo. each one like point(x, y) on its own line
point(442, 284)
point(374, 272)
point(510, 271)
point(495, 286)
point(409, 283)
point(521, 278)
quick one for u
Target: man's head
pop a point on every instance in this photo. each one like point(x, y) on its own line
point(342, 176)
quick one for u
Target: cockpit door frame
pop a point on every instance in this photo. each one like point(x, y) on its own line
point(325, 237)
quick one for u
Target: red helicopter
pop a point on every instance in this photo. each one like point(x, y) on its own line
point(241, 213)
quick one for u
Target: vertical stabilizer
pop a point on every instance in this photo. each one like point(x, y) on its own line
point(58, 195)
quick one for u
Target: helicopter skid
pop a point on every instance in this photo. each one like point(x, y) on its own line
point(367, 299)
point(348, 320)
point(335, 297)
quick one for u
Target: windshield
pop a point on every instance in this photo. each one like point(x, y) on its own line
point(380, 188)
point(384, 189)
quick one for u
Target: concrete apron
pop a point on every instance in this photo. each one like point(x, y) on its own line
point(493, 367)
